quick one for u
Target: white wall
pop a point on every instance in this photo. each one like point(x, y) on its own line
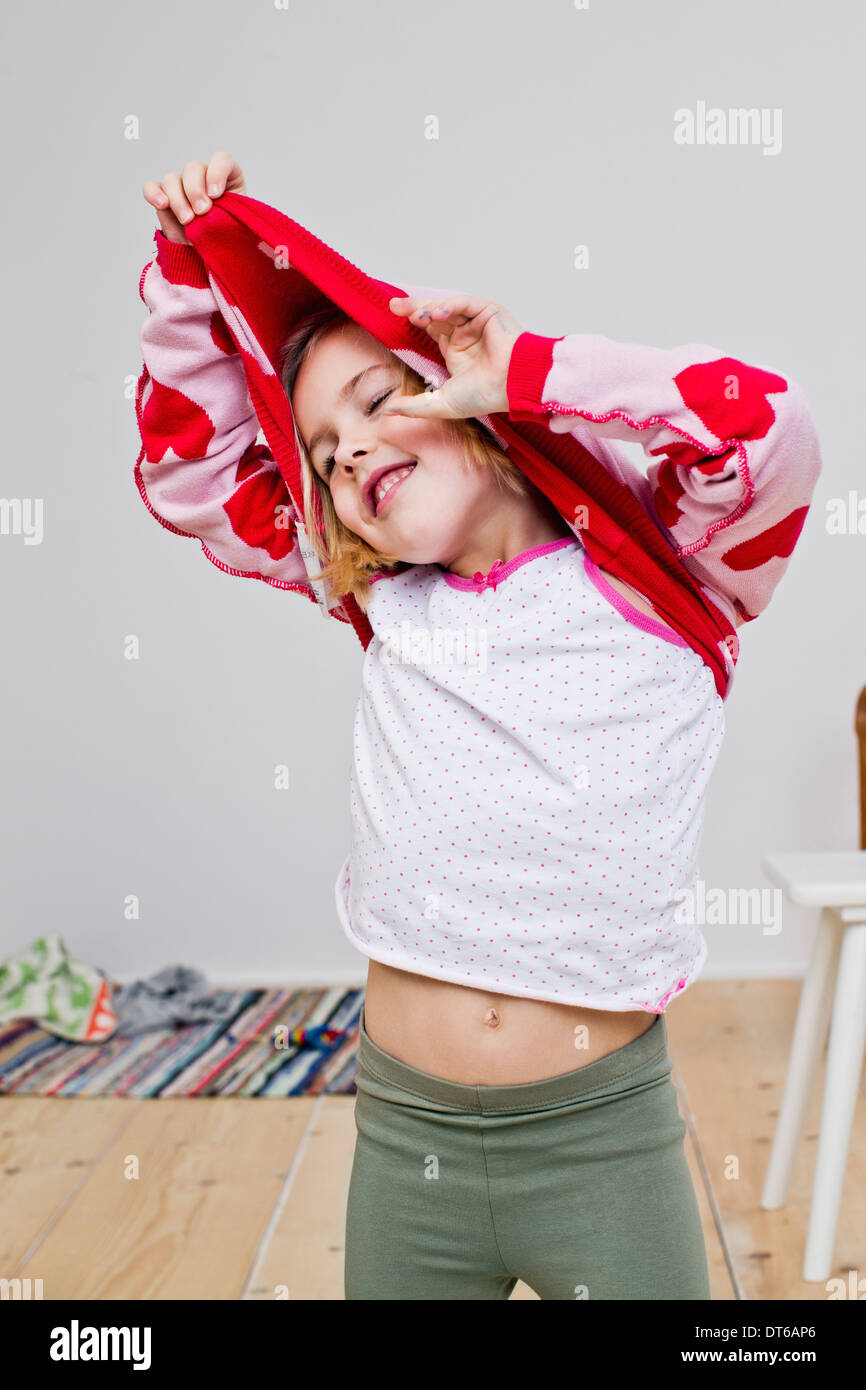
point(155, 777)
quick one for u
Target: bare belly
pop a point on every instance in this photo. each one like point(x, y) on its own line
point(479, 1038)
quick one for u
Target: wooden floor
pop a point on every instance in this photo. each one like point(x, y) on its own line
point(245, 1199)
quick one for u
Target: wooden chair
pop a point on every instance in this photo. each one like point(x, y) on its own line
point(833, 999)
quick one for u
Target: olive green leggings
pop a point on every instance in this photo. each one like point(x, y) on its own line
point(577, 1184)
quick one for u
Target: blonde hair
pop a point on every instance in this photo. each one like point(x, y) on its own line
point(349, 563)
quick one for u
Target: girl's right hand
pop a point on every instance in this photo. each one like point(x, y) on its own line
point(179, 197)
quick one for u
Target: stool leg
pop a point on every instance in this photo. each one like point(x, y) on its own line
point(844, 1063)
point(810, 1034)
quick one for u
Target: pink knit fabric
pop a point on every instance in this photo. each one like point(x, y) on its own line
point(706, 535)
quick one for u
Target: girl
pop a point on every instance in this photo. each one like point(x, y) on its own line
point(527, 793)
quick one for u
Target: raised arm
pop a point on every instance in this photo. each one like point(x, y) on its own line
point(200, 471)
point(733, 449)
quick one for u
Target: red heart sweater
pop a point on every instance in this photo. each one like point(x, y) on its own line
point(705, 534)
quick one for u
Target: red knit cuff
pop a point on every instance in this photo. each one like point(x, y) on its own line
point(528, 369)
point(179, 263)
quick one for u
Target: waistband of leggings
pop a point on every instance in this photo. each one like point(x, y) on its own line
point(643, 1059)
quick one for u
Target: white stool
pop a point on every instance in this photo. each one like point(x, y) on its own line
point(835, 983)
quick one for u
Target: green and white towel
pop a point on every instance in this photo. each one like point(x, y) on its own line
point(64, 996)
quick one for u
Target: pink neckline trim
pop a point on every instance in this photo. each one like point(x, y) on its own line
point(499, 571)
point(627, 609)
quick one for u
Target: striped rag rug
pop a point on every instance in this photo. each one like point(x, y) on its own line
point(272, 1042)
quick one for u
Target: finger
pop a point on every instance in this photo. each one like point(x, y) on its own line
point(436, 317)
point(220, 167)
point(459, 307)
point(426, 405)
point(450, 329)
point(458, 321)
point(402, 304)
point(413, 307)
point(445, 318)
point(420, 309)
point(177, 198)
point(193, 184)
point(170, 225)
point(153, 194)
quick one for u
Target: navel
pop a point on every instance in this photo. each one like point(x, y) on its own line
point(492, 1019)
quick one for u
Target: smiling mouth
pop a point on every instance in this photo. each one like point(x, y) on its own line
point(388, 483)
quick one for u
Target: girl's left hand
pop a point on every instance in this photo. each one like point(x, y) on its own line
point(475, 337)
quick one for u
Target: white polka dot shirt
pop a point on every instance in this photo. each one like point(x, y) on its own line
point(531, 753)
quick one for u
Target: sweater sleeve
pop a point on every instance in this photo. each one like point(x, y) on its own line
point(200, 471)
point(733, 449)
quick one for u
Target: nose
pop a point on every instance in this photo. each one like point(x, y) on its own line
point(349, 457)
point(354, 463)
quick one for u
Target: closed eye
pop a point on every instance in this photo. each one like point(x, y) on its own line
point(328, 465)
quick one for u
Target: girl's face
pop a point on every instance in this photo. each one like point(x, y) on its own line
point(428, 517)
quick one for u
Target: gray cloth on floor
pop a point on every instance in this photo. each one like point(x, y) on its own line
point(175, 995)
